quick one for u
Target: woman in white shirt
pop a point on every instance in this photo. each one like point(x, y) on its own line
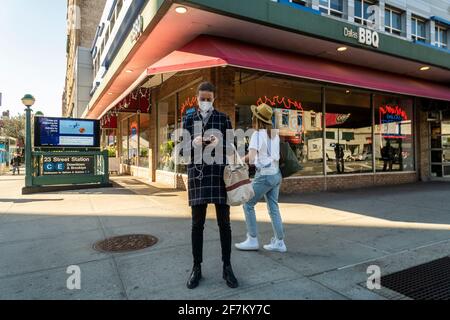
point(265, 154)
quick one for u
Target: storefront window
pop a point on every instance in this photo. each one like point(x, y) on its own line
point(348, 131)
point(124, 149)
point(109, 142)
point(187, 102)
point(144, 140)
point(133, 132)
point(166, 119)
point(394, 139)
point(297, 114)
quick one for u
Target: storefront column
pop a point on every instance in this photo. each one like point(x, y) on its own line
point(224, 78)
point(153, 143)
point(374, 162)
point(119, 141)
point(324, 138)
point(423, 147)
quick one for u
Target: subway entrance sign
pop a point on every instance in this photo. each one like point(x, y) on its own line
point(67, 156)
point(68, 165)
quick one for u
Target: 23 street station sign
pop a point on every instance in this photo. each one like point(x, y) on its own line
point(68, 165)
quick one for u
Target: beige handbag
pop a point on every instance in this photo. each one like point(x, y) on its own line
point(237, 182)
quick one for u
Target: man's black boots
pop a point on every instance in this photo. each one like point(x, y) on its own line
point(229, 277)
point(195, 277)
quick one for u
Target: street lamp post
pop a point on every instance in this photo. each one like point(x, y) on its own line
point(28, 100)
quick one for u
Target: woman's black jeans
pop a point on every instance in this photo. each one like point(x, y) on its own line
point(198, 223)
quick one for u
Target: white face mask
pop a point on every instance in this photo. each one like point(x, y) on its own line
point(205, 106)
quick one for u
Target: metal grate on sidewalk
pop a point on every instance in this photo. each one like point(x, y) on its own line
point(429, 281)
point(126, 243)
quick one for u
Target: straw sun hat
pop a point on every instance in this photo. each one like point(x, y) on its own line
point(263, 112)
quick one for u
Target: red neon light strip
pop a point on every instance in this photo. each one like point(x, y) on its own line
point(189, 103)
point(286, 102)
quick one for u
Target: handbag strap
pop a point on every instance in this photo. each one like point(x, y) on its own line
point(236, 155)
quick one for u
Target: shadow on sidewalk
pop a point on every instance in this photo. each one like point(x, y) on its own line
point(28, 200)
point(419, 202)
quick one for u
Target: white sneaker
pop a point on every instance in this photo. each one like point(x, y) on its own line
point(251, 244)
point(276, 245)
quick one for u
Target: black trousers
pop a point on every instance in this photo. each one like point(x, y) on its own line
point(340, 165)
point(198, 223)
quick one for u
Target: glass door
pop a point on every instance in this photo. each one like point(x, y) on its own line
point(440, 147)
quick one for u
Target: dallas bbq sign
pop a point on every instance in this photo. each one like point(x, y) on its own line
point(364, 36)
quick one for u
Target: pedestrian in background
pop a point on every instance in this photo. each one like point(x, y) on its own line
point(15, 162)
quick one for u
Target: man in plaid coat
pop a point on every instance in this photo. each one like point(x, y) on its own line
point(205, 181)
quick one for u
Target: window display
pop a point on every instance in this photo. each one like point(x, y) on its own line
point(297, 114)
point(187, 102)
point(348, 147)
point(144, 140)
point(133, 137)
point(124, 149)
point(166, 124)
point(347, 125)
point(394, 150)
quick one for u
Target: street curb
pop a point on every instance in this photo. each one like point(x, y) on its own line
point(33, 190)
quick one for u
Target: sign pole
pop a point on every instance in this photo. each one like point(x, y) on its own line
point(28, 150)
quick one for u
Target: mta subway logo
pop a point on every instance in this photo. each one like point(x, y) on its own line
point(54, 166)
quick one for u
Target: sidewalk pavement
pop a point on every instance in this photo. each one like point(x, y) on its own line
point(331, 237)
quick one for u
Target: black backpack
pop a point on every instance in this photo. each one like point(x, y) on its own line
point(289, 164)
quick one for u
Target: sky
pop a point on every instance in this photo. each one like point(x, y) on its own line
point(32, 54)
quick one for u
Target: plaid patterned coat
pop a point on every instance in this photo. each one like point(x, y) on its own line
point(205, 182)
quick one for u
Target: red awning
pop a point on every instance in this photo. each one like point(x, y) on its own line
point(207, 51)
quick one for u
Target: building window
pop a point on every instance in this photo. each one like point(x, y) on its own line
point(124, 150)
point(297, 107)
point(112, 23)
point(363, 12)
point(441, 37)
point(348, 145)
point(166, 126)
point(313, 120)
point(119, 7)
point(144, 140)
point(102, 48)
point(95, 65)
point(394, 139)
point(133, 140)
point(300, 2)
point(332, 7)
point(418, 30)
point(107, 34)
point(393, 21)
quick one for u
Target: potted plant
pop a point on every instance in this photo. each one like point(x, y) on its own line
point(165, 151)
point(113, 161)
